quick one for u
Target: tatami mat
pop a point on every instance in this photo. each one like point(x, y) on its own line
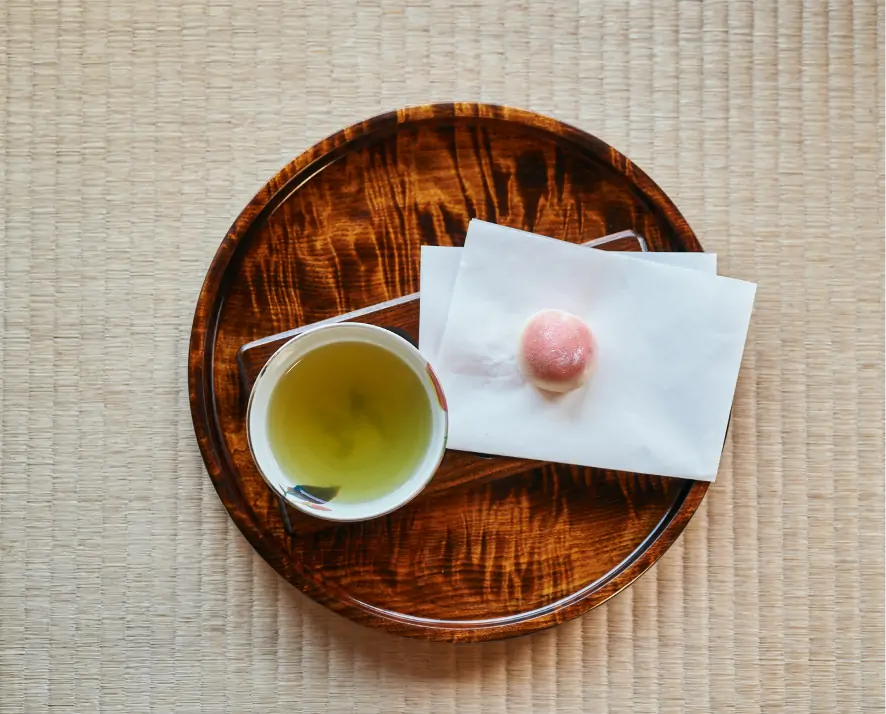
point(132, 133)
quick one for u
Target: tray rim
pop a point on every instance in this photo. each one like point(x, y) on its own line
point(202, 398)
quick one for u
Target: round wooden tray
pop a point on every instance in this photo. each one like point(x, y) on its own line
point(512, 547)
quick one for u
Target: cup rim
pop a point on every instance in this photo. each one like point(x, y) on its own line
point(436, 400)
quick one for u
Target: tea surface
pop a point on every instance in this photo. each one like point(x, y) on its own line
point(352, 415)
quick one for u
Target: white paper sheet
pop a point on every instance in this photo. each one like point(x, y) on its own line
point(670, 343)
point(439, 269)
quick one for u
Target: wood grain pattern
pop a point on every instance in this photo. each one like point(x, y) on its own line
point(339, 229)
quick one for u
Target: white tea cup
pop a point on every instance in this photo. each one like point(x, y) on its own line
point(283, 484)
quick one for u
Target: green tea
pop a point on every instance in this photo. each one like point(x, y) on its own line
point(350, 415)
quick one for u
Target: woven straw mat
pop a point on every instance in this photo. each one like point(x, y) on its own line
point(132, 133)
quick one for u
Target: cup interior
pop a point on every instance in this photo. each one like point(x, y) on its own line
point(257, 421)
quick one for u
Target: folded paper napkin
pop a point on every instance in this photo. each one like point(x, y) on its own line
point(670, 336)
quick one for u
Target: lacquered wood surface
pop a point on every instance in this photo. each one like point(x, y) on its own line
point(506, 547)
